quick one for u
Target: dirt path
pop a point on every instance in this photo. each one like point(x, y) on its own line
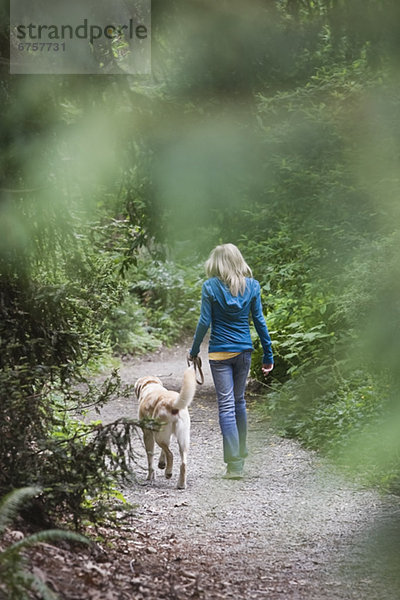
point(292, 528)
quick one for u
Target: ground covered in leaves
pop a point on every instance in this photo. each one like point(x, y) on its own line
point(293, 528)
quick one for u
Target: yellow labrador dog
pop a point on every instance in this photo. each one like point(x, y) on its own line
point(171, 409)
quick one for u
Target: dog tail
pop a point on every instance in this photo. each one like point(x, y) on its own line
point(187, 390)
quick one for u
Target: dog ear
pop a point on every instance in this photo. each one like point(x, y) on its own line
point(138, 387)
point(143, 381)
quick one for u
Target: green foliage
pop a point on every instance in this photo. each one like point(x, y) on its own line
point(62, 251)
point(52, 330)
point(130, 330)
point(346, 415)
point(337, 389)
point(15, 579)
point(324, 245)
point(170, 292)
point(296, 302)
point(73, 461)
point(78, 463)
point(162, 304)
point(83, 462)
point(335, 408)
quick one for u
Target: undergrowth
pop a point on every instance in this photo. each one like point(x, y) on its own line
point(161, 303)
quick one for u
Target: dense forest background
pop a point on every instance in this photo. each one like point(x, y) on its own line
point(274, 125)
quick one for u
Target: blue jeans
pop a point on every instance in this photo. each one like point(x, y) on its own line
point(230, 377)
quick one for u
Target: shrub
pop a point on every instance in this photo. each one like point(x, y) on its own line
point(53, 309)
point(163, 303)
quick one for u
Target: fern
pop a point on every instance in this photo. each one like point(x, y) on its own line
point(15, 580)
point(11, 503)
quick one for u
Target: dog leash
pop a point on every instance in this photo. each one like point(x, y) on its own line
point(196, 360)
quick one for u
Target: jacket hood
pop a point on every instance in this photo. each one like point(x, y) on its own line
point(229, 303)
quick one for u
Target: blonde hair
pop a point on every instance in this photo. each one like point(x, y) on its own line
point(227, 263)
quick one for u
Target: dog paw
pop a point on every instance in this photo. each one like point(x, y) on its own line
point(146, 482)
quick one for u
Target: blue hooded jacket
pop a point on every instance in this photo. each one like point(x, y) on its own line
point(229, 319)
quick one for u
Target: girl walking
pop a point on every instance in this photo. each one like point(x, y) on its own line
point(229, 296)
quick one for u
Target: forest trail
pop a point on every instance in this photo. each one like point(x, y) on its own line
point(293, 528)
